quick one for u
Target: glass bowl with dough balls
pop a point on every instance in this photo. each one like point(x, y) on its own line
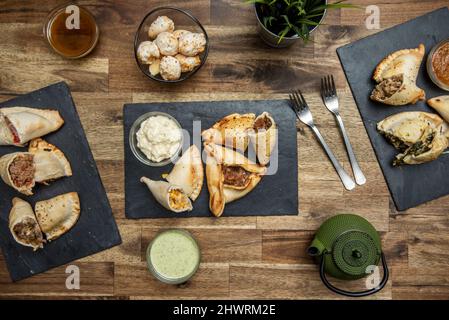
point(170, 45)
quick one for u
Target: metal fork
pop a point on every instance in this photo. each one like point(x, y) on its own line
point(330, 99)
point(303, 113)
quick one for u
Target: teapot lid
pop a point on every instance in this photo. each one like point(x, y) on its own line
point(353, 251)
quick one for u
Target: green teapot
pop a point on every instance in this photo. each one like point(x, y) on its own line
point(346, 245)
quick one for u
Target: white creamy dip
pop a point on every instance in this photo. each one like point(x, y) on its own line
point(159, 138)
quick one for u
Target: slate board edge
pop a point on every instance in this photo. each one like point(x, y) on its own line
point(347, 46)
point(118, 240)
point(126, 142)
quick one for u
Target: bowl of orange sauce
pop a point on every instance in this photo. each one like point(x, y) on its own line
point(438, 64)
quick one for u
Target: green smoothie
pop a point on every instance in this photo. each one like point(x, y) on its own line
point(173, 256)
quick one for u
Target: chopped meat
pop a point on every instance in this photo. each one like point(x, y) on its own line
point(236, 176)
point(178, 200)
point(15, 135)
point(387, 88)
point(28, 231)
point(21, 170)
point(263, 123)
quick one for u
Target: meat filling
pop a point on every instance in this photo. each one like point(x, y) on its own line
point(178, 200)
point(21, 170)
point(387, 88)
point(236, 176)
point(15, 135)
point(262, 123)
point(28, 231)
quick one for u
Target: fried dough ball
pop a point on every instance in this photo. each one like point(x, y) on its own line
point(161, 24)
point(147, 52)
point(192, 44)
point(188, 63)
point(167, 43)
point(170, 68)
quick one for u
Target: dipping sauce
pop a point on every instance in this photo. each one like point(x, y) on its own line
point(440, 63)
point(173, 256)
point(76, 41)
point(159, 138)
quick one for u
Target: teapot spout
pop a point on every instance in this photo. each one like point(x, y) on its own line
point(316, 248)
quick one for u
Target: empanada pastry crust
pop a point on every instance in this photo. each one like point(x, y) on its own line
point(231, 131)
point(441, 105)
point(17, 170)
point(58, 215)
point(24, 226)
point(18, 125)
point(396, 77)
point(50, 162)
point(263, 137)
point(188, 173)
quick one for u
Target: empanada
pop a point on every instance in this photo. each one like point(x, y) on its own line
point(396, 77)
point(18, 125)
point(230, 176)
point(441, 105)
point(24, 226)
point(17, 170)
point(419, 136)
point(58, 215)
point(188, 173)
point(263, 137)
point(231, 131)
point(50, 162)
point(171, 197)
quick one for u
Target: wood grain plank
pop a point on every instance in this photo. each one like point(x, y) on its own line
point(219, 246)
point(288, 282)
point(136, 280)
point(428, 249)
point(96, 279)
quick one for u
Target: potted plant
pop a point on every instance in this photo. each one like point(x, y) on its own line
point(283, 22)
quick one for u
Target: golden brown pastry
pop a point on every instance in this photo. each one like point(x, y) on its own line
point(18, 125)
point(24, 226)
point(230, 176)
point(17, 170)
point(58, 215)
point(396, 77)
point(231, 131)
point(263, 137)
point(161, 24)
point(188, 173)
point(419, 136)
point(441, 105)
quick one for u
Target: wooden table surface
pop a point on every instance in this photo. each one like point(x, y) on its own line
point(246, 257)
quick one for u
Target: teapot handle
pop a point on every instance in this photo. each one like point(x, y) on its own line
point(359, 293)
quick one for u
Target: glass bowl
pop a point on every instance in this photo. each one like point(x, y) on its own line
point(429, 66)
point(133, 140)
point(160, 276)
point(183, 20)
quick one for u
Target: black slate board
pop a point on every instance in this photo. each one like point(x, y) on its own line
point(96, 229)
point(275, 195)
point(409, 185)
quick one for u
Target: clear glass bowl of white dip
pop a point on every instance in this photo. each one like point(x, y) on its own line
point(133, 140)
point(173, 256)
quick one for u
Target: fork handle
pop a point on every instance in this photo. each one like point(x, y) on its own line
point(358, 174)
point(345, 178)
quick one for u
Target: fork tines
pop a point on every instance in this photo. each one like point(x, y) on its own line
point(328, 86)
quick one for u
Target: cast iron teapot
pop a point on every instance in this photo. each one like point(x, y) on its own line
point(347, 245)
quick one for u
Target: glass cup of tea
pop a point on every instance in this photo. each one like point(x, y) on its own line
point(71, 31)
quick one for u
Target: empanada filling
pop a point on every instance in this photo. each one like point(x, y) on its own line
point(388, 87)
point(262, 123)
point(15, 135)
point(177, 199)
point(28, 231)
point(22, 170)
point(236, 176)
point(416, 149)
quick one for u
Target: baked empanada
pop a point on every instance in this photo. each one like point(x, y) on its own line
point(230, 176)
point(419, 136)
point(263, 137)
point(396, 77)
point(188, 173)
point(50, 162)
point(58, 215)
point(231, 131)
point(441, 105)
point(169, 196)
point(18, 125)
point(17, 170)
point(24, 226)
